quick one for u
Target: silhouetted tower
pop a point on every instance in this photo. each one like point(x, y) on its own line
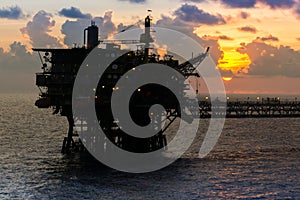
point(147, 37)
point(91, 36)
point(60, 68)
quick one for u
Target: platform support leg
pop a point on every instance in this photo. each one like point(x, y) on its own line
point(69, 139)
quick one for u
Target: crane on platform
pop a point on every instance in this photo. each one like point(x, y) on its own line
point(60, 68)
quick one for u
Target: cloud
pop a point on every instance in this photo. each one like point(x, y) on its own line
point(17, 58)
point(297, 11)
point(298, 39)
point(13, 12)
point(268, 38)
point(187, 28)
point(244, 15)
point(279, 3)
point(73, 13)
point(249, 29)
point(175, 24)
point(135, 1)
point(17, 67)
point(107, 27)
point(268, 60)
point(239, 3)
point(251, 3)
point(38, 31)
point(220, 37)
point(191, 13)
point(227, 73)
point(224, 37)
point(195, 1)
point(73, 30)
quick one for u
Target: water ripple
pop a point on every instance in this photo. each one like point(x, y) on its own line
point(254, 158)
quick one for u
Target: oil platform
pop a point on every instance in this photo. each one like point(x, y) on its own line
point(60, 67)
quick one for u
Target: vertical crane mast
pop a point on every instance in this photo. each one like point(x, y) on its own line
point(60, 68)
point(147, 37)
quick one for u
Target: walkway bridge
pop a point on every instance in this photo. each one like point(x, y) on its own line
point(251, 109)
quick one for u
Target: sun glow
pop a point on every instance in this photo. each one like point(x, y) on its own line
point(227, 78)
point(234, 61)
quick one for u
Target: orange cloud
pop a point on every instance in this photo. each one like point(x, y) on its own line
point(249, 29)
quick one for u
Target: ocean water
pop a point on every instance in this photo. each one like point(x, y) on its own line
point(254, 158)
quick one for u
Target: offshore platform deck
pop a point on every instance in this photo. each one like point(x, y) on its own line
point(60, 67)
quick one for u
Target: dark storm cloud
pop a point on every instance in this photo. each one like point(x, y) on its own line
point(38, 31)
point(13, 12)
point(191, 13)
point(250, 29)
point(251, 3)
point(73, 13)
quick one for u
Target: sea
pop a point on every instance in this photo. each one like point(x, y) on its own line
point(255, 158)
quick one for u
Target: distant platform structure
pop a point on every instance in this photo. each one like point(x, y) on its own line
point(264, 108)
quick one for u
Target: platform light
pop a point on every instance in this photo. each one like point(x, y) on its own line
point(114, 66)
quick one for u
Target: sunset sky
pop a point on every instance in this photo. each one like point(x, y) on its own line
point(256, 43)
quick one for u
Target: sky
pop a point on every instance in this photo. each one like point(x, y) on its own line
point(255, 43)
